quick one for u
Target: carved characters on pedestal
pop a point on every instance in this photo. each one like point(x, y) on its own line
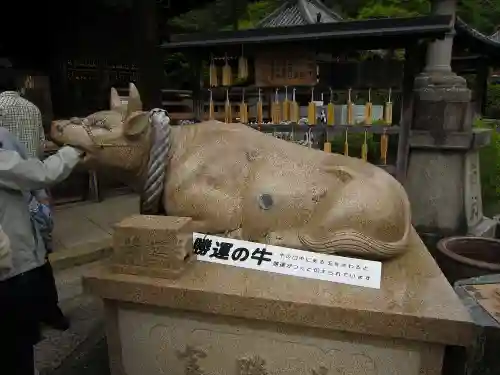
point(191, 357)
point(473, 202)
point(322, 370)
point(253, 365)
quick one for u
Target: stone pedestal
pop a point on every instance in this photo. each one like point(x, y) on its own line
point(156, 246)
point(217, 319)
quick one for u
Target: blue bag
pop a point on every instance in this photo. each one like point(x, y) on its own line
point(42, 217)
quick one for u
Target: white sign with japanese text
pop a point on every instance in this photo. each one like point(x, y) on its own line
point(287, 261)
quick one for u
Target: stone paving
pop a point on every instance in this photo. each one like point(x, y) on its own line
point(85, 222)
point(82, 237)
point(83, 231)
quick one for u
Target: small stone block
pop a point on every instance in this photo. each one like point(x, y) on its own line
point(156, 246)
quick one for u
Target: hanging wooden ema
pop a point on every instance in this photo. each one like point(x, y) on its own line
point(278, 68)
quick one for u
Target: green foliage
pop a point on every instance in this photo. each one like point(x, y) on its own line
point(355, 143)
point(493, 101)
point(219, 16)
point(482, 14)
point(393, 8)
point(490, 165)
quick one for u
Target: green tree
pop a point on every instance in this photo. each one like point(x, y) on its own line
point(393, 8)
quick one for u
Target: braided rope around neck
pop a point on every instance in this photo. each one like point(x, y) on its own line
point(154, 184)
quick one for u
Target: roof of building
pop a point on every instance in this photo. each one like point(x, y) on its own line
point(365, 34)
point(300, 12)
point(495, 36)
point(477, 42)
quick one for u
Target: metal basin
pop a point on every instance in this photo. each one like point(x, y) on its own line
point(466, 257)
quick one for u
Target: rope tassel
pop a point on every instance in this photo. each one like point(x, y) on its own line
point(388, 110)
point(276, 110)
point(294, 109)
point(213, 74)
point(350, 110)
point(260, 111)
point(227, 74)
point(364, 149)
point(211, 110)
point(330, 111)
point(243, 110)
point(384, 145)
point(228, 116)
point(286, 106)
point(311, 110)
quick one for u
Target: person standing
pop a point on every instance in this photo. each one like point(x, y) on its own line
point(24, 120)
point(22, 288)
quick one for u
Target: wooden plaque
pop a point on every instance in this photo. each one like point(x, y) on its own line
point(291, 68)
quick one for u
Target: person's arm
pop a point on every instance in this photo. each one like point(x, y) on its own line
point(41, 133)
point(42, 196)
point(5, 252)
point(33, 174)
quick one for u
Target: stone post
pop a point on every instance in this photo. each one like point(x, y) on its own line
point(443, 170)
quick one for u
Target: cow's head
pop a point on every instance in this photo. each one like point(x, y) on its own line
point(118, 138)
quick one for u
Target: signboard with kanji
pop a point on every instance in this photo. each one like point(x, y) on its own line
point(276, 259)
point(279, 68)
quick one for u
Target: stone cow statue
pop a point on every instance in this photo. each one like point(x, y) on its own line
point(238, 181)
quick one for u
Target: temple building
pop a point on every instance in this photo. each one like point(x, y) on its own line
point(300, 12)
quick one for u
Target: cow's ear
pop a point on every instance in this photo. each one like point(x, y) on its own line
point(136, 124)
point(115, 103)
point(134, 100)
